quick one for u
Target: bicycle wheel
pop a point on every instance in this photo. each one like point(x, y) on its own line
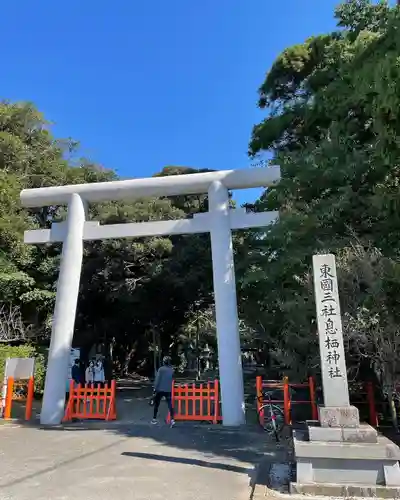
point(265, 419)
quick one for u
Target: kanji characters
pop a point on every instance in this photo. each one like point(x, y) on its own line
point(328, 297)
point(330, 327)
point(328, 310)
point(326, 285)
point(325, 271)
point(331, 343)
point(334, 372)
point(332, 357)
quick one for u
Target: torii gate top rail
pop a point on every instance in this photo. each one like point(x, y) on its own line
point(155, 186)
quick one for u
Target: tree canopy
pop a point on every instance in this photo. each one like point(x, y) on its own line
point(128, 287)
point(333, 126)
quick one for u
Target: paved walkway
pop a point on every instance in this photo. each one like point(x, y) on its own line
point(131, 460)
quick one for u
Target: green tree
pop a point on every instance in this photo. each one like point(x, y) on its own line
point(126, 285)
point(333, 127)
point(143, 285)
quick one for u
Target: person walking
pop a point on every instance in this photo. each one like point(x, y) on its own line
point(98, 373)
point(89, 373)
point(76, 372)
point(163, 389)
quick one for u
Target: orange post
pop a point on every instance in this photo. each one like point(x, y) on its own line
point(85, 398)
point(105, 395)
point(202, 390)
point(29, 399)
point(113, 400)
point(373, 417)
point(98, 395)
point(286, 400)
point(259, 398)
point(216, 401)
point(68, 411)
point(193, 400)
point(172, 402)
point(314, 409)
point(76, 393)
point(74, 397)
point(9, 396)
point(208, 399)
point(183, 391)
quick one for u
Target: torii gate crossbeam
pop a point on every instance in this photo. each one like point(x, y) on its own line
point(219, 221)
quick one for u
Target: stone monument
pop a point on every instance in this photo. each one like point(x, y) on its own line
point(337, 455)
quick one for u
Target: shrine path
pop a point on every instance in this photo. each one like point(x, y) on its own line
point(130, 459)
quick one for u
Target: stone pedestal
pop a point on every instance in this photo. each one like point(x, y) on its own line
point(338, 456)
point(339, 416)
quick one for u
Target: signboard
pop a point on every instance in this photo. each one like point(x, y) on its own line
point(333, 363)
point(20, 368)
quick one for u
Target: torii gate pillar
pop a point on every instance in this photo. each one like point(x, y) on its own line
point(64, 314)
point(229, 353)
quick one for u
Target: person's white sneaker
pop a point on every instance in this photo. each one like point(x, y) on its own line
point(172, 423)
point(154, 421)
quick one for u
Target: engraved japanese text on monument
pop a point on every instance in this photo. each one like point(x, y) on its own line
point(329, 322)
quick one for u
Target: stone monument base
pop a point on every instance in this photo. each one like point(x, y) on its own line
point(345, 461)
point(345, 491)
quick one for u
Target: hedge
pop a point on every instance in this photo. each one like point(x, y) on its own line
point(25, 351)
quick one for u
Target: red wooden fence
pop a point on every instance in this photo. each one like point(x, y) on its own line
point(287, 402)
point(91, 402)
point(198, 402)
point(365, 396)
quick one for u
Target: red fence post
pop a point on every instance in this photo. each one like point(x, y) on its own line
point(29, 399)
point(9, 396)
point(373, 417)
point(286, 400)
point(114, 399)
point(216, 408)
point(314, 409)
point(68, 409)
point(259, 399)
point(168, 419)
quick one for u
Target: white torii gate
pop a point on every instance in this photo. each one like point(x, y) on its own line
point(219, 221)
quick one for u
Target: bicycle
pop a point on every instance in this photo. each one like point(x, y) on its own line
point(270, 416)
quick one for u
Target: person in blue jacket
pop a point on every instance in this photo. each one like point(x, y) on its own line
point(163, 389)
point(76, 372)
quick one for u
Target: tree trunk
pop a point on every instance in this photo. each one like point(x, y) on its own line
point(197, 349)
point(127, 361)
point(393, 412)
point(155, 352)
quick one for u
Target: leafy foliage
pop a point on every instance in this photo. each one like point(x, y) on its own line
point(127, 286)
point(333, 126)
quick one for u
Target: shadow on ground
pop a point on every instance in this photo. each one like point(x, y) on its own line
point(245, 450)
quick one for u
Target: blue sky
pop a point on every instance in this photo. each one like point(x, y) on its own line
point(144, 84)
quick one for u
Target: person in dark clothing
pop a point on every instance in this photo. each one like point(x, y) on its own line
point(76, 372)
point(163, 389)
